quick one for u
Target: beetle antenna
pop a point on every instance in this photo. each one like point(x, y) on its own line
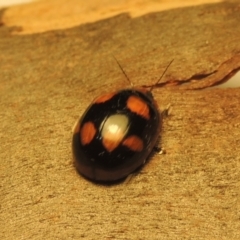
point(123, 72)
point(161, 76)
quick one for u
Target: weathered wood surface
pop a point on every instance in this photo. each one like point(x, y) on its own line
point(48, 79)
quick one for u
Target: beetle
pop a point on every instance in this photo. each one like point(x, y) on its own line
point(117, 133)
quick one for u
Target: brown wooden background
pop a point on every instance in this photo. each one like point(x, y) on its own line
point(55, 58)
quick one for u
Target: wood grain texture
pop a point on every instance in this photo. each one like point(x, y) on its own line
point(48, 15)
point(48, 79)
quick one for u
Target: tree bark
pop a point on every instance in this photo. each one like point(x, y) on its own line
point(47, 80)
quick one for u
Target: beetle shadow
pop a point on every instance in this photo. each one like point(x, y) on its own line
point(105, 183)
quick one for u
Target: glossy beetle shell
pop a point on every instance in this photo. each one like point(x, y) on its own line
point(116, 134)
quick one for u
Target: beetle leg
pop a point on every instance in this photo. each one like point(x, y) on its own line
point(159, 150)
point(75, 125)
point(166, 112)
point(129, 178)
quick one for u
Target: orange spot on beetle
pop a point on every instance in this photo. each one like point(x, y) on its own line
point(104, 98)
point(87, 133)
point(134, 143)
point(138, 106)
point(110, 144)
